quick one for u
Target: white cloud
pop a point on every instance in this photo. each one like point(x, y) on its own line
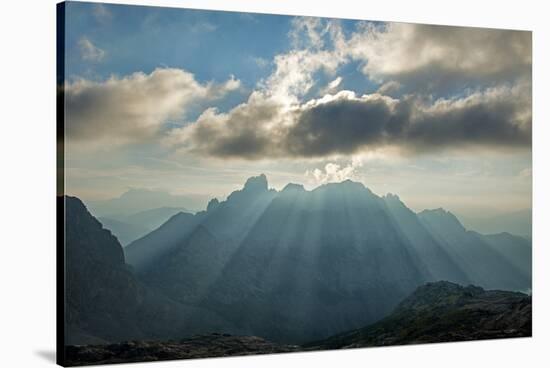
point(318, 47)
point(102, 14)
point(203, 27)
point(90, 52)
point(331, 87)
point(307, 31)
point(260, 62)
point(334, 173)
point(134, 107)
point(404, 56)
point(400, 50)
point(294, 73)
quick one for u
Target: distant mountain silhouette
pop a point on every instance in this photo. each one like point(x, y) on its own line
point(515, 249)
point(105, 302)
point(124, 232)
point(138, 200)
point(486, 262)
point(296, 265)
point(517, 223)
point(435, 257)
point(128, 228)
point(155, 217)
point(443, 312)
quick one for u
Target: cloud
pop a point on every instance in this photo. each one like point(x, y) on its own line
point(248, 130)
point(389, 88)
point(203, 27)
point(102, 14)
point(412, 62)
point(331, 87)
point(333, 172)
point(429, 56)
point(318, 49)
point(294, 73)
point(135, 106)
point(308, 32)
point(344, 124)
point(420, 58)
point(260, 62)
point(90, 52)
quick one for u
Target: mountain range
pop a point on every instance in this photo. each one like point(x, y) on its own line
point(128, 228)
point(105, 302)
point(517, 223)
point(271, 271)
point(296, 265)
point(138, 200)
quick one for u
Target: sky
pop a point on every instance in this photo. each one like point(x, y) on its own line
point(194, 102)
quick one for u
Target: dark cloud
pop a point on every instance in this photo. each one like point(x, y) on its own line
point(345, 124)
point(484, 122)
point(341, 126)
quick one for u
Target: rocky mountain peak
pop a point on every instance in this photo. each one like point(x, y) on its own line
point(291, 187)
point(256, 183)
point(212, 204)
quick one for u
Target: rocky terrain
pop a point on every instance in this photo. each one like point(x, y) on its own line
point(205, 346)
point(436, 312)
point(105, 303)
point(443, 312)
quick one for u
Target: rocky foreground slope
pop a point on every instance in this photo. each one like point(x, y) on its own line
point(443, 312)
point(436, 312)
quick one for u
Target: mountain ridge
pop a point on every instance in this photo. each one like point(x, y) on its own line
point(302, 256)
point(104, 300)
point(443, 312)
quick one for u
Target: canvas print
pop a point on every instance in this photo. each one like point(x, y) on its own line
point(235, 183)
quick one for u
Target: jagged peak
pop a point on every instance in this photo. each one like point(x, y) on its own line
point(351, 182)
point(293, 187)
point(258, 183)
point(440, 213)
point(77, 204)
point(348, 183)
point(392, 197)
point(212, 204)
point(435, 211)
point(178, 217)
point(393, 201)
point(74, 200)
